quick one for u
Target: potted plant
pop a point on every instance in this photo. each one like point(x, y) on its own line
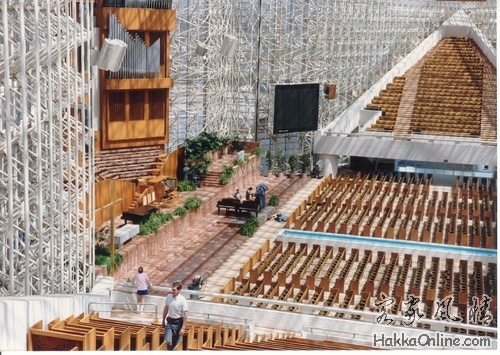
point(196, 161)
point(180, 211)
point(237, 143)
point(305, 163)
point(249, 227)
point(103, 257)
point(186, 186)
point(224, 145)
point(274, 201)
point(269, 161)
point(192, 203)
point(280, 162)
point(293, 162)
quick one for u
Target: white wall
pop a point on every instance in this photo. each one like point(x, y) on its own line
point(17, 314)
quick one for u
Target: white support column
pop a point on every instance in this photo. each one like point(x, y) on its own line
point(330, 164)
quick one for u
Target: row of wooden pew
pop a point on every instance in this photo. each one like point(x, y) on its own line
point(388, 102)
point(321, 276)
point(449, 91)
point(373, 206)
point(93, 333)
point(127, 164)
point(455, 68)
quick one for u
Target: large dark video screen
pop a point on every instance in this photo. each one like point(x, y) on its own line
point(296, 108)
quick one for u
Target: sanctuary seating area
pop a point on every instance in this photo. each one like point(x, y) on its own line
point(450, 88)
point(387, 101)
point(384, 206)
point(380, 206)
point(91, 332)
point(449, 96)
point(127, 163)
point(354, 279)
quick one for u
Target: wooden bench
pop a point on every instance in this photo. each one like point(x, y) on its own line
point(104, 338)
point(47, 340)
point(142, 337)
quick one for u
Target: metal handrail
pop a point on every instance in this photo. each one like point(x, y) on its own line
point(122, 304)
point(205, 296)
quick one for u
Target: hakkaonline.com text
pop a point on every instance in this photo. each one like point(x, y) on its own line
point(430, 341)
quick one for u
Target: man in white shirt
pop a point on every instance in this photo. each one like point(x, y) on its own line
point(174, 316)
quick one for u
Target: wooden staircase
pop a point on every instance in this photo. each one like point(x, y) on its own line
point(402, 127)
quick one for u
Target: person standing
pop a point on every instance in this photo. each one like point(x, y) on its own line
point(260, 195)
point(249, 194)
point(237, 195)
point(141, 281)
point(174, 316)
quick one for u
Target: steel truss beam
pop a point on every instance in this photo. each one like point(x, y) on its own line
point(46, 184)
point(351, 43)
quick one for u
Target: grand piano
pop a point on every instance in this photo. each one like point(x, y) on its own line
point(239, 208)
point(140, 214)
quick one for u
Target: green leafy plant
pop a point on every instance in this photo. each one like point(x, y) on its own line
point(293, 162)
point(257, 151)
point(192, 203)
point(237, 143)
point(228, 169)
point(195, 150)
point(280, 161)
point(274, 201)
point(103, 257)
point(154, 223)
point(254, 222)
point(227, 172)
point(118, 261)
point(249, 227)
point(102, 249)
point(305, 162)
point(224, 141)
point(269, 160)
point(186, 186)
point(180, 212)
point(223, 179)
point(239, 161)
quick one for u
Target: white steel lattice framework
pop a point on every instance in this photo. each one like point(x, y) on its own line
point(47, 116)
point(46, 184)
point(351, 43)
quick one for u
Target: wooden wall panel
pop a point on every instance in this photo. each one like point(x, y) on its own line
point(124, 192)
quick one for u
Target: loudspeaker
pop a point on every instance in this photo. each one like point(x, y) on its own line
point(94, 57)
point(329, 90)
point(229, 45)
point(112, 54)
point(201, 50)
